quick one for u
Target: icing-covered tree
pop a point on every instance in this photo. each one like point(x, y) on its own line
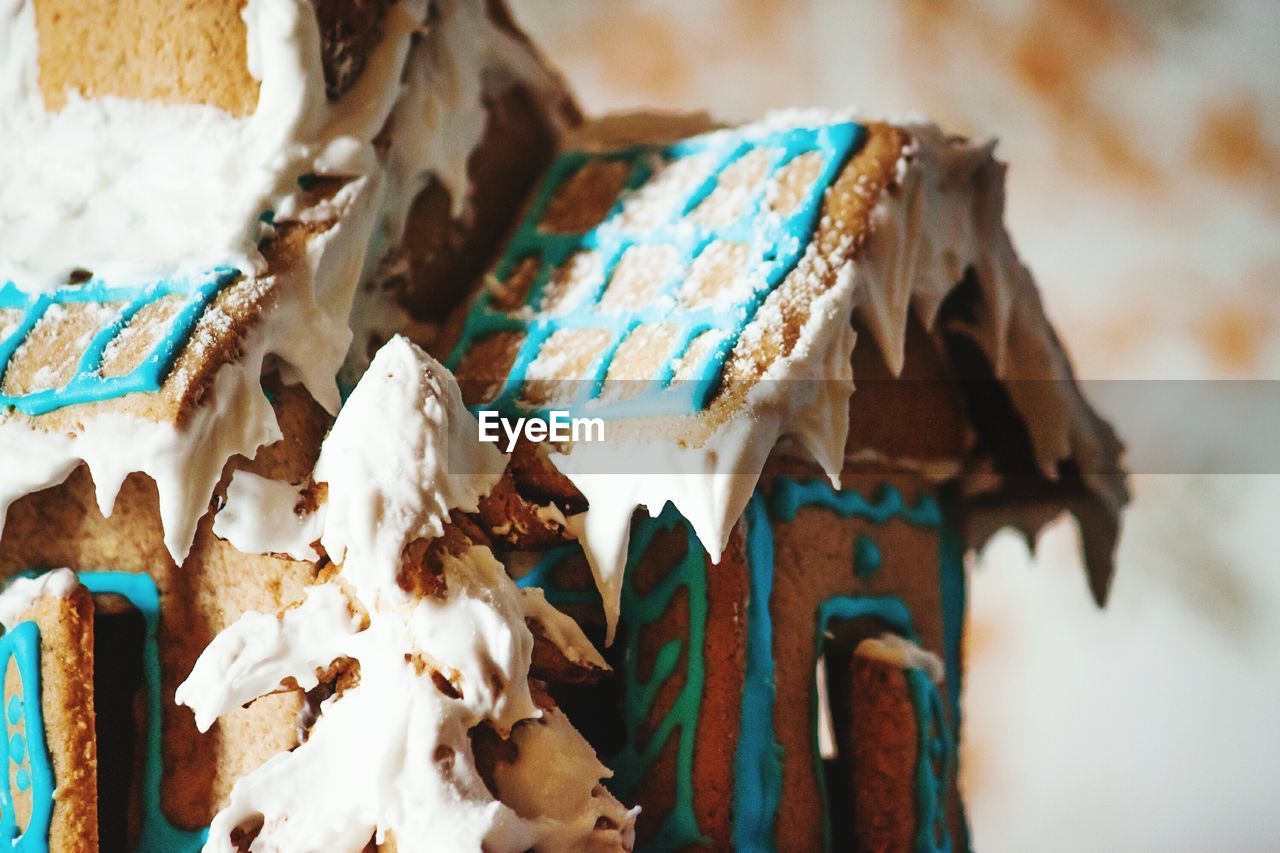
point(434, 736)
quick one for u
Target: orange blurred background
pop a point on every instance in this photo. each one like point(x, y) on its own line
point(1144, 138)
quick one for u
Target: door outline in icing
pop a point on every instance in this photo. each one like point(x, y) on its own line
point(158, 834)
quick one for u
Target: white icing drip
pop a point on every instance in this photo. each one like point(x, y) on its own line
point(21, 593)
point(805, 395)
point(185, 462)
point(898, 651)
point(190, 182)
point(261, 517)
point(258, 652)
point(391, 757)
point(436, 123)
point(563, 631)
point(956, 222)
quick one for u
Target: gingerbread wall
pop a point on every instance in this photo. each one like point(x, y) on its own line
point(62, 527)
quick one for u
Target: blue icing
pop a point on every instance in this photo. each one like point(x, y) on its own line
point(776, 246)
point(15, 708)
point(788, 496)
point(757, 764)
point(866, 557)
point(935, 763)
point(679, 826)
point(87, 385)
point(21, 644)
point(540, 576)
point(158, 835)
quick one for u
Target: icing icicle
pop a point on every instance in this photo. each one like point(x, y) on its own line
point(423, 94)
point(940, 215)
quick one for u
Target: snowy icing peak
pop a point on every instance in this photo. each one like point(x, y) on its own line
point(434, 646)
point(403, 453)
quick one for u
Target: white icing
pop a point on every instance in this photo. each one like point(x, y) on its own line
point(377, 500)
point(806, 396)
point(135, 191)
point(545, 786)
point(391, 757)
point(21, 593)
point(186, 461)
point(261, 517)
point(944, 214)
point(898, 651)
point(189, 182)
point(251, 658)
point(563, 631)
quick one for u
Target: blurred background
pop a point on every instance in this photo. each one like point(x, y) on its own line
point(1144, 138)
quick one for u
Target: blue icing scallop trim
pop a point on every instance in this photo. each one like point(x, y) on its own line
point(757, 764)
point(31, 767)
point(88, 385)
point(776, 245)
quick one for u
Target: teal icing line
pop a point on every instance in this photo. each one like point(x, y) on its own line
point(776, 245)
point(540, 576)
point(757, 762)
point(953, 587)
point(680, 826)
point(87, 385)
point(30, 753)
point(158, 835)
point(866, 557)
point(757, 765)
point(934, 764)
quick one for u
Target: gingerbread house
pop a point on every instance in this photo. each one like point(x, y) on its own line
point(790, 608)
point(267, 588)
point(213, 215)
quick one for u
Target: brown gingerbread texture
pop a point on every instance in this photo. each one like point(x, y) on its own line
point(836, 294)
point(712, 717)
point(179, 54)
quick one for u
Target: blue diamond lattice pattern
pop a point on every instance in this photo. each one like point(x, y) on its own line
point(87, 384)
point(775, 244)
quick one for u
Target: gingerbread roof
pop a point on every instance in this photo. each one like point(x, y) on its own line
point(163, 239)
point(702, 295)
